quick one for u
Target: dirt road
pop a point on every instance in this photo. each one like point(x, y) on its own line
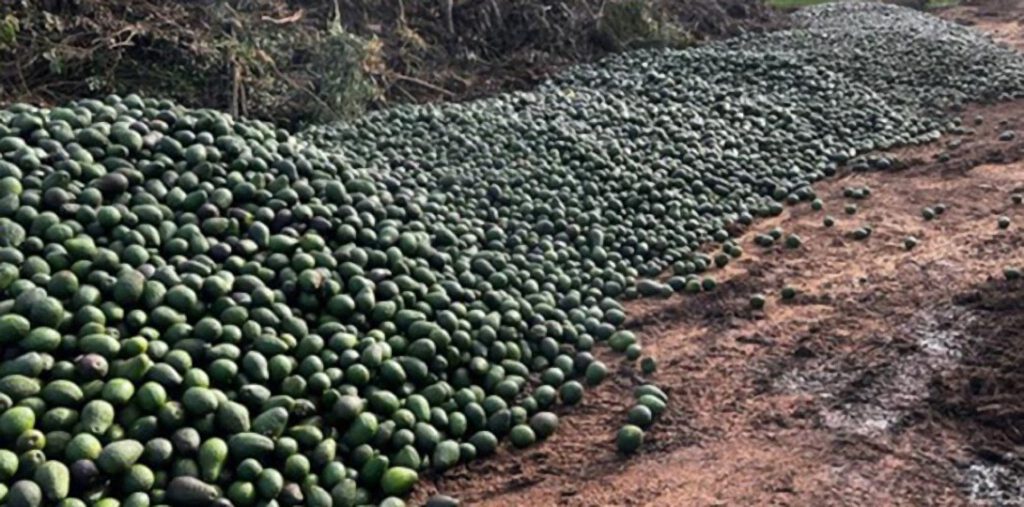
point(892, 378)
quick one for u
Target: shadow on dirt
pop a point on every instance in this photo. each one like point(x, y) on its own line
point(983, 396)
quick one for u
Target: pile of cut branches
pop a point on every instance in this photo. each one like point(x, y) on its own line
point(304, 61)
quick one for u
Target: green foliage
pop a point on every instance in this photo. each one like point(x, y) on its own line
point(343, 84)
point(8, 31)
point(632, 24)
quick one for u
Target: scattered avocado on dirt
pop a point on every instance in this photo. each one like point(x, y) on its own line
point(757, 301)
point(861, 233)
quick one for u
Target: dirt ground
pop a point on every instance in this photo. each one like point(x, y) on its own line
point(1002, 19)
point(892, 378)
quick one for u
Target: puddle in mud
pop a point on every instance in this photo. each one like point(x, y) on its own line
point(874, 401)
point(904, 384)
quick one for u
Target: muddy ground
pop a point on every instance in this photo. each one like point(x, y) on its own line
point(893, 378)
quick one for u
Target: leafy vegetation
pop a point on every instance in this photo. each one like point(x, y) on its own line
point(297, 62)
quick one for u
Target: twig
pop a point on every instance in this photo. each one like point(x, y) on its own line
point(236, 85)
point(296, 86)
point(497, 13)
point(21, 75)
point(54, 84)
point(234, 69)
point(243, 101)
point(287, 19)
point(405, 92)
point(336, 22)
point(403, 77)
point(131, 30)
point(448, 6)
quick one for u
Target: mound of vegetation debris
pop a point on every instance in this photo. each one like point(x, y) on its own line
point(305, 61)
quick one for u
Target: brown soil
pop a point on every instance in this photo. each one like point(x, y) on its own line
point(891, 379)
point(1002, 19)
